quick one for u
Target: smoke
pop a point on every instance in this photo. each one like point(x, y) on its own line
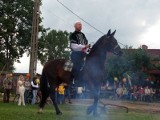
point(79, 107)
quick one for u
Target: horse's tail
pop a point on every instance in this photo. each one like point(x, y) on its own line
point(43, 82)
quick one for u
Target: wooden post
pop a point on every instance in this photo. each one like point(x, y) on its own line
point(34, 40)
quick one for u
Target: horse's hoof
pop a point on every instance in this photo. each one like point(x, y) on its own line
point(59, 113)
point(96, 114)
point(103, 110)
point(40, 111)
point(89, 110)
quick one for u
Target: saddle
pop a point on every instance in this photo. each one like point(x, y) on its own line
point(68, 65)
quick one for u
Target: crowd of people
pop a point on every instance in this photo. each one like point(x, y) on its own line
point(25, 87)
point(138, 93)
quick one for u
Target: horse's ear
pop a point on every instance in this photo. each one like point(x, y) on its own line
point(113, 33)
point(109, 32)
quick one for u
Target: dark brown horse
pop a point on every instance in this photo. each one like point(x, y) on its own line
point(91, 75)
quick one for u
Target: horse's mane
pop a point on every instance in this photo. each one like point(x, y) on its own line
point(96, 45)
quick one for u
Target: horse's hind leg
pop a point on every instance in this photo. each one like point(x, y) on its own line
point(44, 91)
point(45, 95)
point(53, 98)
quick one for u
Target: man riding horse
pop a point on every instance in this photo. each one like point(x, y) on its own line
point(53, 73)
point(79, 46)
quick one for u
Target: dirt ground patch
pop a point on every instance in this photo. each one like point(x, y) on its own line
point(132, 106)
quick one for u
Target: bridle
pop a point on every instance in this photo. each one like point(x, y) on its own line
point(116, 47)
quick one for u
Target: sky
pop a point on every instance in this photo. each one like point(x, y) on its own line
point(137, 22)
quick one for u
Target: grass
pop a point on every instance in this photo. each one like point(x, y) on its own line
point(70, 112)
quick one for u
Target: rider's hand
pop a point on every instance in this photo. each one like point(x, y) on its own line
point(87, 46)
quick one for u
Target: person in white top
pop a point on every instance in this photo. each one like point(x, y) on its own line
point(35, 87)
point(147, 94)
point(80, 92)
point(147, 91)
point(21, 90)
point(79, 46)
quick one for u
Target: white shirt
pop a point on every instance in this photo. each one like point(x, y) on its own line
point(147, 91)
point(33, 85)
point(80, 90)
point(78, 47)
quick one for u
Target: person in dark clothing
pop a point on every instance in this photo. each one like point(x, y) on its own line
point(79, 46)
point(67, 93)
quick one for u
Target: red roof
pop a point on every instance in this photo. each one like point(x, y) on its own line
point(154, 72)
point(154, 52)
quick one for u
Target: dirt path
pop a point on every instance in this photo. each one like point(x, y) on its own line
point(133, 106)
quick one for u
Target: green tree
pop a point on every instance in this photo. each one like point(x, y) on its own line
point(116, 66)
point(53, 45)
point(134, 62)
point(15, 30)
point(141, 60)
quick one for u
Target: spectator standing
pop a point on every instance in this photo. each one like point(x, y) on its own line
point(21, 90)
point(125, 93)
point(67, 93)
point(141, 93)
point(27, 85)
point(56, 94)
point(119, 91)
point(135, 93)
point(103, 87)
point(80, 92)
point(131, 92)
point(152, 96)
point(35, 87)
point(157, 94)
point(61, 91)
point(7, 85)
point(147, 94)
point(115, 86)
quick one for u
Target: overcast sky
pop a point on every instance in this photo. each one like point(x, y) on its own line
point(137, 21)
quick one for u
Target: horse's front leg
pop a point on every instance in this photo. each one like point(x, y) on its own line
point(93, 107)
point(95, 104)
point(54, 100)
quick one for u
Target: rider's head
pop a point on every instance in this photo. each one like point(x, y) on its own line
point(78, 26)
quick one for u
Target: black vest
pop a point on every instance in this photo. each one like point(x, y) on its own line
point(78, 38)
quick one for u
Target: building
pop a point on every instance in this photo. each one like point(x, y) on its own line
point(155, 55)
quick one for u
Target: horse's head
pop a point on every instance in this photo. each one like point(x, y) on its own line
point(111, 44)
